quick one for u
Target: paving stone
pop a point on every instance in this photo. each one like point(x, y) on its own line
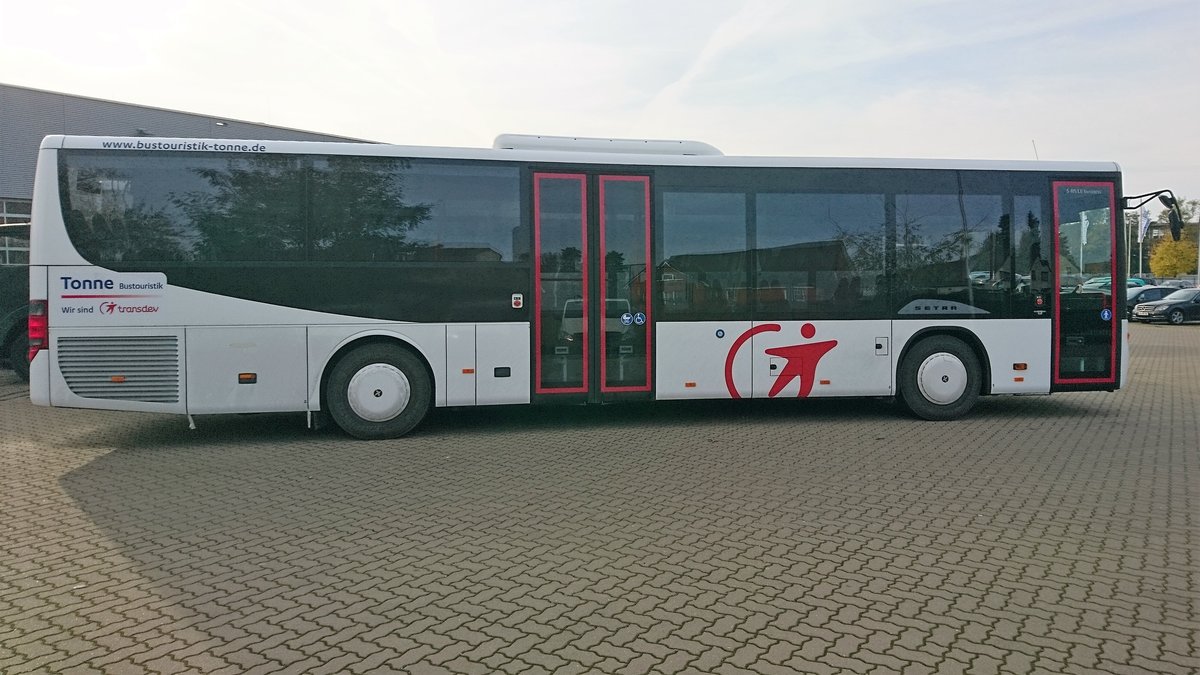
point(1040, 534)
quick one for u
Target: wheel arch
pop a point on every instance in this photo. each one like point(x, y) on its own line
point(360, 340)
point(967, 336)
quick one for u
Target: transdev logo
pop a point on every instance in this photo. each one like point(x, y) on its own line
point(801, 359)
point(114, 308)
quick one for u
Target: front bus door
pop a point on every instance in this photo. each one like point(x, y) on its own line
point(592, 332)
point(1090, 288)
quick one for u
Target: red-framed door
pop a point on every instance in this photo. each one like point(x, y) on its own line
point(1087, 322)
point(593, 329)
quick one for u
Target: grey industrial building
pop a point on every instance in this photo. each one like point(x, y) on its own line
point(28, 115)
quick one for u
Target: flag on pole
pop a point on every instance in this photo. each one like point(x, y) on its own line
point(1083, 228)
point(1143, 223)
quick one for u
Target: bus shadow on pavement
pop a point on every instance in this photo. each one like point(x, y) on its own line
point(136, 431)
point(171, 431)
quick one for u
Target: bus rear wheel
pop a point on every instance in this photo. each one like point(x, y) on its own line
point(940, 378)
point(378, 391)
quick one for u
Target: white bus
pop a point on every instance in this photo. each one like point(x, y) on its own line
point(373, 282)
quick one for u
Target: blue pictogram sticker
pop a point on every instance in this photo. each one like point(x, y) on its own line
point(639, 319)
point(626, 319)
point(1106, 314)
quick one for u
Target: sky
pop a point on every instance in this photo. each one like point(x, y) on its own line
point(1111, 80)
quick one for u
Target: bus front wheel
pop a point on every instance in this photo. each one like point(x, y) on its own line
point(940, 378)
point(378, 391)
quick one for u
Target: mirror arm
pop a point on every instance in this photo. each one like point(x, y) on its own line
point(1125, 202)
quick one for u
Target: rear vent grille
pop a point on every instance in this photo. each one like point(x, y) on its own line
point(121, 368)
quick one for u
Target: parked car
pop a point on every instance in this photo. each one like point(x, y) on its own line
point(1136, 296)
point(1105, 284)
point(1178, 307)
point(1178, 283)
point(14, 310)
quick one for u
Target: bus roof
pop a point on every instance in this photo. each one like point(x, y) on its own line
point(555, 150)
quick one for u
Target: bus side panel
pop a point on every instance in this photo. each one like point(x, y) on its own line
point(428, 339)
point(822, 358)
point(502, 353)
point(460, 364)
point(1124, 354)
point(703, 359)
point(1007, 342)
point(273, 359)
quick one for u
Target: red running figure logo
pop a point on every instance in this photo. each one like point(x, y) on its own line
point(802, 359)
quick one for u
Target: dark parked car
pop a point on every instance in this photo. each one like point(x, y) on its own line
point(1178, 307)
point(1136, 296)
point(14, 308)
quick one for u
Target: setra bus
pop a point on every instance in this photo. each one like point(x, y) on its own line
point(373, 282)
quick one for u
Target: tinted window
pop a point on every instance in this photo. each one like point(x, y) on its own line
point(703, 268)
point(819, 255)
point(394, 210)
point(128, 208)
point(260, 208)
point(843, 243)
point(953, 252)
point(1032, 262)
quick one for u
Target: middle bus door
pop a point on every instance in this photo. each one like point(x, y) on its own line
point(593, 330)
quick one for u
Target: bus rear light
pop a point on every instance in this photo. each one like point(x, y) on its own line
point(39, 327)
point(1020, 366)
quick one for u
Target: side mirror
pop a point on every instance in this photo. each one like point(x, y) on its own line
point(1176, 222)
point(1174, 217)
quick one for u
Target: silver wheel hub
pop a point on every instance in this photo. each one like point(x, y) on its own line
point(942, 378)
point(378, 392)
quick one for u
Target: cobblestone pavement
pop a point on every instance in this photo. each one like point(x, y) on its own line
point(1043, 534)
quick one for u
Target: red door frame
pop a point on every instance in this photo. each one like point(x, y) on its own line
point(647, 295)
point(537, 279)
point(1115, 321)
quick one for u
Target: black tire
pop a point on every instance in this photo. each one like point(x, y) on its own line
point(940, 378)
point(1175, 317)
point(378, 391)
point(18, 355)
